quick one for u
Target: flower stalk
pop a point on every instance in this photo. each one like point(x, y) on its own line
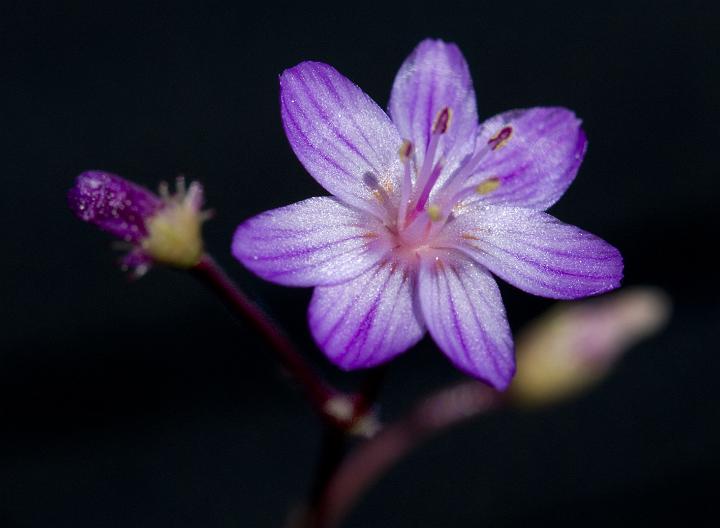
point(428, 204)
point(341, 412)
point(318, 392)
point(369, 461)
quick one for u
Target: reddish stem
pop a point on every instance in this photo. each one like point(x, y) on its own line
point(369, 461)
point(369, 391)
point(317, 390)
point(334, 444)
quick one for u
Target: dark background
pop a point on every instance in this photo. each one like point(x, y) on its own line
point(145, 405)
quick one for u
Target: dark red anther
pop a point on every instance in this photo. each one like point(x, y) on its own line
point(501, 138)
point(442, 121)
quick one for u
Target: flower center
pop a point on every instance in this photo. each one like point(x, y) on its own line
point(419, 219)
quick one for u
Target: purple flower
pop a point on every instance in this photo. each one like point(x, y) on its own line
point(161, 229)
point(426, 204)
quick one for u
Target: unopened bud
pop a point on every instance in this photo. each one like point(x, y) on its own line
point(573, 347)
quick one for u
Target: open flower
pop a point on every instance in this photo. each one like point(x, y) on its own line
point(426, 204)
point(162, 229)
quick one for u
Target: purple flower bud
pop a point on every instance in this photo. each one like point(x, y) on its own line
point(161, 229)
point(113, 204)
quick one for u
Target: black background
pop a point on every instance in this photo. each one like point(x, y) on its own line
point(143, 404)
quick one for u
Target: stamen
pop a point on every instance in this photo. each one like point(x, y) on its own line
point(488, 186)
point(378, 190)
point(405, 155)
point(442, 121)
point(428, 161)
point(423, 198)
point(405, 151)
point(500, 139)
point(194, 195)
point(441, 125)
point(180, 188)
point(434, 212)
point(164, 191)
point(457, 179)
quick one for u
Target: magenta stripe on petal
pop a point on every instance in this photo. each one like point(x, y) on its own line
point(366, 321)
point(316, 241)
point(339, 134)
point(536, 252)
point(465, 315)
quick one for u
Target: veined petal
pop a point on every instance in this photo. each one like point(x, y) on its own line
point(536, 252)
point(366, 321)
point(433, 77)
point(341, 136)
point(539, 160)
point(316, 241)
point(464, 313)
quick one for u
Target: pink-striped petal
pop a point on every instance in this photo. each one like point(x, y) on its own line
point(537, 162)
point(316, 241)
point(366, 321)
point(435, 76)
point(464, 313)
point(341, 136)
point(536, 252)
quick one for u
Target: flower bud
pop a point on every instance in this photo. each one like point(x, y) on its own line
point(163, 229)
point(574, 346)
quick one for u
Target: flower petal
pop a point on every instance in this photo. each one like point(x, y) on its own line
point(339, 134)
point(465, 315)
point(316, 241)
point(433, 77)
point(539, 160)
point(368, 320)
point(536, 252)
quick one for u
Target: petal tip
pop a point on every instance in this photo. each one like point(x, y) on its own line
point(497, 375)
point(436, 42)
point(300, 68)
point(500, 377)
point(238, 242)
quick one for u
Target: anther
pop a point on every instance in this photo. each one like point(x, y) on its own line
point(442, 121)
point(500, 139)
point(405, 151)
point(488, 186)
point(377, 189)
point(434, 212)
